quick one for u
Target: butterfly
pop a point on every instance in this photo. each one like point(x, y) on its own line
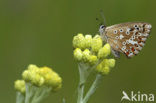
point(127, 38)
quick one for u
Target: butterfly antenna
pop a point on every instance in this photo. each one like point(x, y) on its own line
point(97, 19)
point(102, 15)
point(100, 23)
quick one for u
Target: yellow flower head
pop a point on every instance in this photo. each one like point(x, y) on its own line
point(111, 63)
point(40, 76)
point(104, 51)
point(105, 66)
point(90, 50)
point(88, 41)
point(79, 41)
point(93, 59)
point(78, 54)
point(96, 43)
point(20, 86)
point(86, 55)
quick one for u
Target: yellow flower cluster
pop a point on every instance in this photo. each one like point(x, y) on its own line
point(105, 66)
point(42, 76)
point(20, 86)
point(90, 50)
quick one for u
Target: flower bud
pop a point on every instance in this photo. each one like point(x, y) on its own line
point(93, 59)
point(79, 41)
point(20, 86)
point(111, 63)
point(37, 80)
point(57, 88)
point(41, 76)
point(105, 70)
point(105, 62)
point(105, 51)
point(78, 54)
point(105, 66)
point(88, 41)
point(86, 55)
point(96, 43)
point(33, 67)
point(102, 69)
point(25, 75)
point(55, 80)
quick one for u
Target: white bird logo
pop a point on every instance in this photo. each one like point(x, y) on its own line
point(125, 96)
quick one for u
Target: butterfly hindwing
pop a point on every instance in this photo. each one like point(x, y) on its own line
point(128, 38)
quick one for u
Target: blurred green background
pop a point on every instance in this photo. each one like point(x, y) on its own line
point(40, 32)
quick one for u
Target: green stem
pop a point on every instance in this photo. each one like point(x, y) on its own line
point(92, 88)
point(64, 100)
point(80, 93)
point(35, 94)
point(29, 93)
point(40, 94)
point(84, 73)
point(19, 97)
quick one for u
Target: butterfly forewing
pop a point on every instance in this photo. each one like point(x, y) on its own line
point(128, 38)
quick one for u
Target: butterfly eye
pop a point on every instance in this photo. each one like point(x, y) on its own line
point(102, 26)
point(101, 29)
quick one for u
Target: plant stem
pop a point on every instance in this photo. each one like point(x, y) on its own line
point(83, 70)
point(40, 93)
point(92, 88)
point(29, 93)
point(80, 93)
point(19, 97)
point(64, 100)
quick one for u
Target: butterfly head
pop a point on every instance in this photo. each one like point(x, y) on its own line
point(102, 29)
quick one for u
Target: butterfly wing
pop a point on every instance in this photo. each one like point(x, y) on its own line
point(128, 38)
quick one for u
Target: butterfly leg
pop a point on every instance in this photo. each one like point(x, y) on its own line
point(115, 53)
